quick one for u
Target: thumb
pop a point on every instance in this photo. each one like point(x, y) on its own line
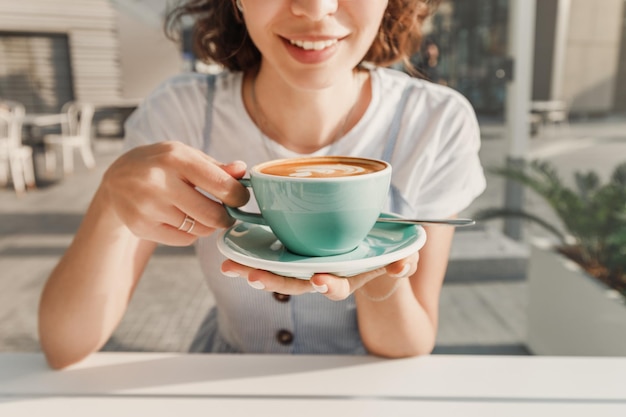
point(236, 169)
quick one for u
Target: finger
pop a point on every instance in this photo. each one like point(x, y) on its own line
point(204, 172)
point(167, 235)
point(339, 288)
point(198, 206)
point(265, 280)
point(404, 267)
point(160, 209)
point(189, 225)
point(236, 169)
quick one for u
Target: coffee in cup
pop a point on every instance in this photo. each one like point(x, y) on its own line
point(318, 206)
point(325, 167)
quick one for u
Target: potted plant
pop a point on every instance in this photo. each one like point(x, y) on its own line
point(577, 285)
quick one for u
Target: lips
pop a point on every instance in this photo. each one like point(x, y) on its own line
point(313, 45)
point(311, 50)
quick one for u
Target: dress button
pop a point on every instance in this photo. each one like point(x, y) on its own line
point(283, 298)
point(284, 337)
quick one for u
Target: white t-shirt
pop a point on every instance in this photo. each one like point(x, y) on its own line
point(428, 132)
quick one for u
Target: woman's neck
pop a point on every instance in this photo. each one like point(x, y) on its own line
point(305, 121)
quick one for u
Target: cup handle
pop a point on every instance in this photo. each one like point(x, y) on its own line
point(254, 218)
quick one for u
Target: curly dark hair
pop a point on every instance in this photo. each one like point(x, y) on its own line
point(220, 35)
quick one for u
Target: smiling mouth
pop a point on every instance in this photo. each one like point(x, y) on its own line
point(313, 45)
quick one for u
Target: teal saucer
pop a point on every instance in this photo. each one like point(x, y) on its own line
point(257, 247)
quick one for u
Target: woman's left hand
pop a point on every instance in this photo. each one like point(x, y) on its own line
point(332, 286)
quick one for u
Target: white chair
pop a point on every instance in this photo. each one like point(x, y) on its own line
point(553, 113)
point(15, 157)
point(558, 117)
point(75, 134)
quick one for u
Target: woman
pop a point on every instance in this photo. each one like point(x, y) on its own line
point(303, 77)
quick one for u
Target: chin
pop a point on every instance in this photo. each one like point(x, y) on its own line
point(316, 78)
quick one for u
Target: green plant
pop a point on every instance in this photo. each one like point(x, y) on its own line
point(593, 216)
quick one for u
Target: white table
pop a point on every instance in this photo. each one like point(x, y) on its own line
point(543, 106)
point(550, 111)
point(138, 384)
point(44, 119)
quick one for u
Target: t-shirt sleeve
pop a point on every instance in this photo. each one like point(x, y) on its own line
point(442, 174)
point(174, 111)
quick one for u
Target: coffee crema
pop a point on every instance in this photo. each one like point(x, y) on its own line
point(322, 168)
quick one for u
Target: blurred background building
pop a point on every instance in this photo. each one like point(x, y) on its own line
point(109, 53)
point(91, 50)
point(579, 57)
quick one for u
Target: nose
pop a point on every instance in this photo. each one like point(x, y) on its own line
point(314, 9)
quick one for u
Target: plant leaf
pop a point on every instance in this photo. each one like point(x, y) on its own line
point(493, 213)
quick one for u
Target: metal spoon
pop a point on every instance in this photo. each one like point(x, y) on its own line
point(447, 222)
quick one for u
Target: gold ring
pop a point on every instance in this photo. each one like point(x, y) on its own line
point(187, 221)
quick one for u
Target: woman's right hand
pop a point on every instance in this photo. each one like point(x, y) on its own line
point(152, 188)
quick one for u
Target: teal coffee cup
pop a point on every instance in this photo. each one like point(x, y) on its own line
point(318, 206)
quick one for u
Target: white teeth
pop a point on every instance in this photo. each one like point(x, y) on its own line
point(313, 45)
